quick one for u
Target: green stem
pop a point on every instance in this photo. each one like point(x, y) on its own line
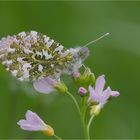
point(81, 115)
point(85, 109)
point(84, 115)
point(74, 100)
point(88, 126)
point(57, 137)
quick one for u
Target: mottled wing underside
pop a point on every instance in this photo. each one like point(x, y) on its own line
point(32, 55)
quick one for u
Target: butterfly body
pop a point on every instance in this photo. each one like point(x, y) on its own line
point(32, 56)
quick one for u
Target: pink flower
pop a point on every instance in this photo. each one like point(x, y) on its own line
point(34, 123)
point(48, 85)
point(98, 94)
point(45, 85)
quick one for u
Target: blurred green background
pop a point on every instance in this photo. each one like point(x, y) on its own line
point(117, 56)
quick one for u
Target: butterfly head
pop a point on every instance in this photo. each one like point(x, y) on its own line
point(79, 55)
point(83, 53)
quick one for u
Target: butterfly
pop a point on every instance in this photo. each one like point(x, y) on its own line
point(31, 56)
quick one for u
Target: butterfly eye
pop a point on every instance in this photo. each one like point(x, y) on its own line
point(83, 53)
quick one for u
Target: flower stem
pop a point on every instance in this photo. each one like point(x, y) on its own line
point(74, 100)
point(80, 113)
point(57, 137)
point(88, 126)
point(84, 109)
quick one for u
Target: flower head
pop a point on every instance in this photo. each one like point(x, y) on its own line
point(100, 96)
point(48, 85)
point(34, 123)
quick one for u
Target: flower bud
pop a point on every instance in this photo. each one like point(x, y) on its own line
point(75, 74)
point(61, 87)
point(86, 79)
point(82, 91)
point(49, 131)
point(95, 110)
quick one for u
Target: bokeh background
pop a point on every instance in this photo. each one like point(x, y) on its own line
point(117, 56)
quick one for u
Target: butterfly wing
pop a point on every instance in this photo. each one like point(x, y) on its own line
point(32, 55)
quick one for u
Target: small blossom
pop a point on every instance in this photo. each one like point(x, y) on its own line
point(34, 123)
point(82, 91)
point(100, 96)
point(48, 85)
point(75, 74)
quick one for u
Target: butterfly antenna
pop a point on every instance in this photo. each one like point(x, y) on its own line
point(93, 41)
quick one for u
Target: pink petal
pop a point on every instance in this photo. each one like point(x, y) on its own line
point(105, 95)
point(33, 118)
point(100, 83)
point(30, 127)
point(50, 81)
point(104, 98)
point(21, 122)
point(32, 123)
point(93, 95)
point(43, 86)
point(91, 90)
point(115, 94)
point(25, 125)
